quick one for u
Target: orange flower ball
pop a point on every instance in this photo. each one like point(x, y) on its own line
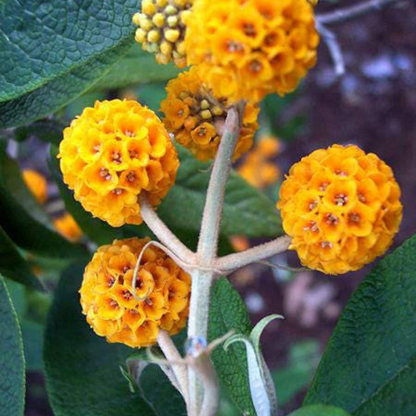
point(108, 301)
point(113, 153)
point(196, 116)
point(250, 48)
point(342, 208)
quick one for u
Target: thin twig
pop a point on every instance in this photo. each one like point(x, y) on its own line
point(232, 262)
point(334, 48)
point(162, 232)
point(350, 13)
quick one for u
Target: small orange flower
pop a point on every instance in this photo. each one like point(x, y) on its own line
point(260, 47)
point(37, 184)
point(113, 309)
point(341, 207)
point(114, 152)
point(67, 226)
point(195, 116)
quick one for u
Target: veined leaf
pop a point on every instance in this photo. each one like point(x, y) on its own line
point(12, 363)
point(228, 312)
point(369, 366)
point(53, 51)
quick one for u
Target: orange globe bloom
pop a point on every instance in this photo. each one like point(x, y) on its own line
point(162, 29)
point(37, 185)
point(67, 227)
point(113, 153)
point(342, 208)
point(250, 48)
point(113, 309)
point(196, 116)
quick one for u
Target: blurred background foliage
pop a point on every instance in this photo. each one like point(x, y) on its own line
point(373, 106)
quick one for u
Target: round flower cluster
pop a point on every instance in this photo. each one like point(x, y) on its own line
point(342, 208)
point(112, 309)
point(250, 48)
point(36, 184)
point(113, 153)
point(162, 29)
point(257, 169)
point(196, 116)
point(67, 227)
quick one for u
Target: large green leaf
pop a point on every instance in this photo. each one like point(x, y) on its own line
point(246, 210)
point(24, 223)
point(228, 312)
point(82, 370)
point(14, 266)
point(157, 390)
point(53, 51)
point(369, 366)
point(319, 410)
point(12, 364)
point(137, 67)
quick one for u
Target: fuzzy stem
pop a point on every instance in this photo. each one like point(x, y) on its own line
point(236, 261)
point(162, 232)
point(207, 251)
point(208, 239)
point(349, 13)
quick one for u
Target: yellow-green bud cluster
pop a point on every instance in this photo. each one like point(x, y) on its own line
point(162, 29)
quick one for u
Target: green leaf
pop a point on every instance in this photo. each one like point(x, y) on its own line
point(13, 265)
point(137, 67)
point(12, 363)
point(49, 131)
point(319, 410)
point(32, 333)
point(82, 369)
point(53, 51)
point(159, 393)
point(369, 366)
point(247, 211)
point(23, 222)
point(227, 312)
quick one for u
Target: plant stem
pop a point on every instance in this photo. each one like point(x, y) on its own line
point(208, 239)
point(207, 249)
point(162, 232)
point(349, 13)
point(172, 354)
point(232, 262)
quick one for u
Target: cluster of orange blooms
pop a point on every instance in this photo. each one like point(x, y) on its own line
point(250, 48)
point(257, 168)
point(342, 208)
point(114, 311)
point(196, 116)
point(113, 153)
